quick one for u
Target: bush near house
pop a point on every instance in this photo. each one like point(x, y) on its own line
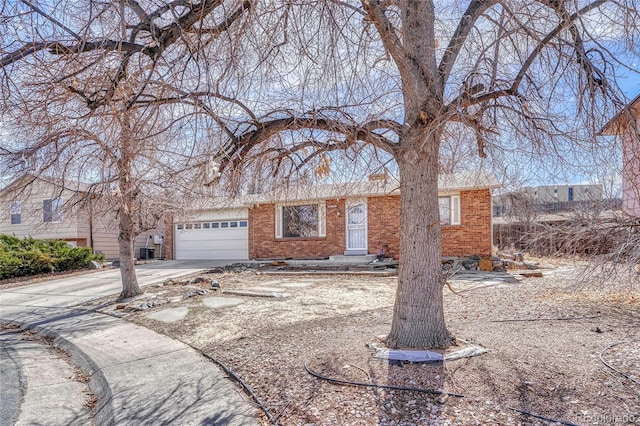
point(22, 257)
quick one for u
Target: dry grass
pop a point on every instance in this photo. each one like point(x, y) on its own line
point(544, 336)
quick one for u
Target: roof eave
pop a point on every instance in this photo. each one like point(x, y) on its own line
point(612, 127)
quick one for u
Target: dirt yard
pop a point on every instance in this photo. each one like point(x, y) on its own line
point(545, 337)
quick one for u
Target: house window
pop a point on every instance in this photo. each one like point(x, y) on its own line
point(197, 225)
point(16, 213)
point(206, 225)
point(52, 210)
point(215, 225)
point(300, 221)
point(243, 224)
point(180, 226)
point(449, 210)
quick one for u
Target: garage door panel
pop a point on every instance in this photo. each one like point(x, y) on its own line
point(211, 236)
point(193, 254)
point(213, 245)
point(228, 243)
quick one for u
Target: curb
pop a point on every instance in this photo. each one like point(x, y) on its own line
point(104, 411)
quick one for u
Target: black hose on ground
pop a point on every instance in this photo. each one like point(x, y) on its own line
point(248, 390)
point(372, 385)
point(527, 413)
point(242, 383)
point(423, 390)
point(612, 367)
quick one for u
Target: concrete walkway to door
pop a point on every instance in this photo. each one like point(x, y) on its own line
point(139, 376)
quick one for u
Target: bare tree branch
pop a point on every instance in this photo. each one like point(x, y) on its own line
point(518, 79)
point(50, 18)
point(466, 23)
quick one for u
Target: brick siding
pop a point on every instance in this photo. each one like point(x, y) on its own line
point(383, 224)
point(472, 236)
point(264, 245)
point(168, 237)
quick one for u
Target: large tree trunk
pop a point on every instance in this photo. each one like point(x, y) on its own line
point(418, 316)
point(126, 240)
point(127, 214)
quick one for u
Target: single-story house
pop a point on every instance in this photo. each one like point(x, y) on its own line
point(626, 124)
point(335, 219)
point(47, 208)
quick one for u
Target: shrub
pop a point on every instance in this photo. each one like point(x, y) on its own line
point(30, 257)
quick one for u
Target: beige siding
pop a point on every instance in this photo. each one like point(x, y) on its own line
point(77, 223)
point(105, 236)
point(150, 239)
point(32, 224)
point(107, 244)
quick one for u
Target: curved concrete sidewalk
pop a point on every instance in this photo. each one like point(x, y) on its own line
point(139, 376)
point(39, 383)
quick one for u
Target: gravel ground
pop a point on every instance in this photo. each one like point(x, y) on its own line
point(545, 337)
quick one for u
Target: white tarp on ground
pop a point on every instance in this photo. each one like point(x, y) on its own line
point(407, 355)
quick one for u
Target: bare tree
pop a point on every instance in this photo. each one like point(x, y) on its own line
point(80, 89)
point(400, 76)
point(386, 81)
point(606, 232)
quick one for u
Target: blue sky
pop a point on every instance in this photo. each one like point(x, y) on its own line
point(630, 85)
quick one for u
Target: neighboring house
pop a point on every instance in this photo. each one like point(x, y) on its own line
point(626, 124)
point(531, 201)
point(564, 193)
point(321, 221)
point(45, 208)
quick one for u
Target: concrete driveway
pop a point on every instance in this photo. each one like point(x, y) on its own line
point(65, 292)
point(139, 376)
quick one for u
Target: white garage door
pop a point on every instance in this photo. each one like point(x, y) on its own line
point(220, 239)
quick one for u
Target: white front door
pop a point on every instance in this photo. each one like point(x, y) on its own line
point(356, 226)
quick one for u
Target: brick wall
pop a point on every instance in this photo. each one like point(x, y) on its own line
point(264, 245)
point(473, 236)
point(168, 237)
point(384, 224)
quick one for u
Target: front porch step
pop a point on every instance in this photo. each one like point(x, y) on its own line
point(352, 259)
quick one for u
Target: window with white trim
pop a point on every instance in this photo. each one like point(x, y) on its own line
point(52, 210)
point(301, 221)
point(449, 207)
point(15, 210)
